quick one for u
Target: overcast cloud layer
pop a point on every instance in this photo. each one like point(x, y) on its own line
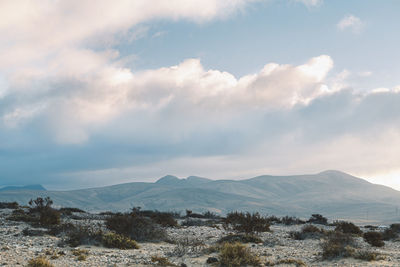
point(74, 113)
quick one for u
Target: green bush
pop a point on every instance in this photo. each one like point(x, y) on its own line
point(246, 222)
point(113, 240)
point(236, 254)
point(374, 238)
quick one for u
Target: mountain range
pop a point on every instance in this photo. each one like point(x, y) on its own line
point(334, 194)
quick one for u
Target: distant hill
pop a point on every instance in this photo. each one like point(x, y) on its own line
point(334, 194)
point(36, 187)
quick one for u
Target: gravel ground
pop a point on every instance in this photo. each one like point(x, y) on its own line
point(17, 249)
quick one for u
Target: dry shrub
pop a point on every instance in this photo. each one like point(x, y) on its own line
point(9, 205)
point(296, 262)
point(318, 219)
point(161, 261)
point(374, 238)
point(84, 235)
point(308, 232)
point(237, 254)
point(136, 227)
point(113, 240)
point(242, 238)
point(338, 245)
point(246, 222)
point(348, 228)
point(184, 246)
point(39, 262)
point(290, 220)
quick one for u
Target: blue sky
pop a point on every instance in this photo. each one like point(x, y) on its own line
point(123, 91)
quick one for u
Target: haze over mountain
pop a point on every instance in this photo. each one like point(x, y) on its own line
point(334, 194)
point(26, 187)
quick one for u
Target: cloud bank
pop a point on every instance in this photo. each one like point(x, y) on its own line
point(72, 112)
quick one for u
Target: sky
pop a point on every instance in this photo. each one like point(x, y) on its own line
point(102, 92)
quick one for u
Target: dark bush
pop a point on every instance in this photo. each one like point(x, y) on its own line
point(366, 255)
point(246, 222)
point(291, 220)
point(348, 228)
point(337, 245)
point(193, 222)
point(49, 216)
point(21, 216)
point(33, 232)
point(374, 238)
point(273, 219)
point(318, 219)
point(61, 229)
point(210, 215)
point(389, 234)
point(69, 211)
point(84, 235)
point(308, 232)
point(9, 205)
point(41, 208)
point(242, 238)
point(371, 227)
point(136, 227)
point(395, 227)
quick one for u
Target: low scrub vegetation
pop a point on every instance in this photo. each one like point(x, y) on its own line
point(290, 220)
point(338, 245)
point(69, 211)
point(9, 205)
point(40, 213)
point(161, 261)
point(83, 235)
point(348, 228)
point(166, 219)
point(136, 227)
point(113, 240)
point(290, 262)
point(247, 222)
point(318, 219)
point(39, 262)
point(308, 232)
point(242, 238)
point(374, 238)
point(237, 254)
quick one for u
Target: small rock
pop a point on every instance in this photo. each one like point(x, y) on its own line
point(212, 260)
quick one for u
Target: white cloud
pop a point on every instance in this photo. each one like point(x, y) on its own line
point(350, 22)
point(61, 83)
point(311, 3)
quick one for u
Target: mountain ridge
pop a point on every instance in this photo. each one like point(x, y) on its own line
point(332, 193)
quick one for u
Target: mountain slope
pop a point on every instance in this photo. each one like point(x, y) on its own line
point(334, 194)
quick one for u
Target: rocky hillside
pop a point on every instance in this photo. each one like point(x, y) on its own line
point(332, 193)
